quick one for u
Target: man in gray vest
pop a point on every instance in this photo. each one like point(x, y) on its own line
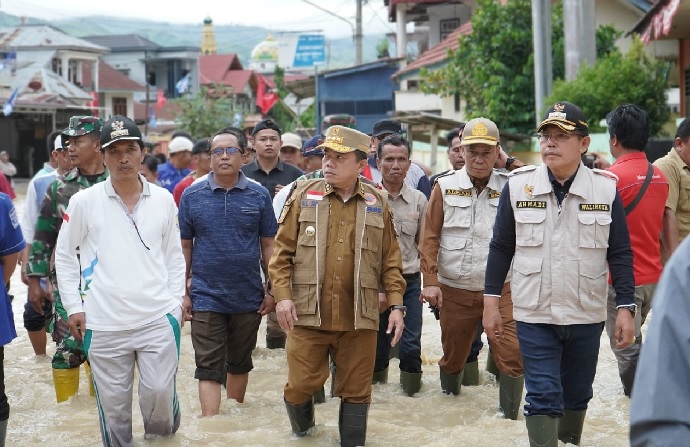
point(454, 247)
point(560, 224)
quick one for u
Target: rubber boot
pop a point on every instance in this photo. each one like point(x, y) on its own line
point(333, 369)
point(89, 377)
point(570, 426)
point(3, 432)
point(394, 353)
point(319, 396)
point(510, 395)
point(380, 376)
point(410, 382)
point(492, 368)
point(352, 423)
point(275, 342)
point(450, 383)
point(301, 417)
point(542, 431)
point(66, 383)
point(470, 375)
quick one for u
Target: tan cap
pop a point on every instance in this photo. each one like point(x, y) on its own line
point(343, 139)
point(291, 140)
point(480, 130)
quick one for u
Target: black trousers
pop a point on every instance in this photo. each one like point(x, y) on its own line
point(4, 406)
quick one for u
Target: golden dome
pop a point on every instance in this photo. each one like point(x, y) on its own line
point(266, 51)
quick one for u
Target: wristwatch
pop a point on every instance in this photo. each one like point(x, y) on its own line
point(509, 162)
point(402, 309)
point(631, 307)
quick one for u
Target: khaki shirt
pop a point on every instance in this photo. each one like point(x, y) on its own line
point(458, 229)
point(330, 257)
point(678, 175)
point(408, 212)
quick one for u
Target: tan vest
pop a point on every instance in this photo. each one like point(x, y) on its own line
point(310, 255)
point(468, 222)
point(559, 268)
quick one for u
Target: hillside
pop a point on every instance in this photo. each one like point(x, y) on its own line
point(234, 38)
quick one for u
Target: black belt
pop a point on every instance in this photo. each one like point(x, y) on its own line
point(407, 276)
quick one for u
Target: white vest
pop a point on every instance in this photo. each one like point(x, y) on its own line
point(559, 268)
point(468, 222)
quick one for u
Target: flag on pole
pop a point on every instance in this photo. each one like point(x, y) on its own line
point(160, 99)
point(265, 100)
point(93, 103)
point(9, 105)
point(183, 84)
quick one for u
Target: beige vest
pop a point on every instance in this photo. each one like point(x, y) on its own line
point(310, 255)
point(559, 268)
point(468, 222)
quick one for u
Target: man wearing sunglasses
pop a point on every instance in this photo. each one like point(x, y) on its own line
point(225, 220)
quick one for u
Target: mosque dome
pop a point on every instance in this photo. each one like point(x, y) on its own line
point(208, 20)
point(266, 51)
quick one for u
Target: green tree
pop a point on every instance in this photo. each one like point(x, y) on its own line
point(280, 112)
point(204, 113)
point(633, 78)
point(493, 67)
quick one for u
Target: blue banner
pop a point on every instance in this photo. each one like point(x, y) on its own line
point(311, 50)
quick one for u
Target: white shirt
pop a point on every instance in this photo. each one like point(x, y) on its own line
point(32, 207)
point(124, 285)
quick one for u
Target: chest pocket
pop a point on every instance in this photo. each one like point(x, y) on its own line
point(457, 212)
point(529, 227)
point(594, 230)
point(373, 231)
point(684, 193)
point(307, 226)
point(407, 231)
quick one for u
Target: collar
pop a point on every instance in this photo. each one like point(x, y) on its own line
point(405, 192)
point(255, 166)
point(637, 155)
point(494, 183)
point(110, 190)
point(242, 182)
point(675, 158)
point(359, 189)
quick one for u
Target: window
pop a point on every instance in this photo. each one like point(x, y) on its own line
point(456, 102)
point(412, 84)
point(124, 71)
point(448, 26)
point(57, 66)
point(119, 106)
point(73, 71)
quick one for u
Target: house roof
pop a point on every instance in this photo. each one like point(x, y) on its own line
point(664, 20)
point(124, 42)
point(438, 53)
point(416, 6)
point(28, 37)
point(110, 79)
point(223, 69)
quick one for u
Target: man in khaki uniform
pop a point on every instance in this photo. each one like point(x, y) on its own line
point(454, 247)
point(335, 244)
point(676, 167)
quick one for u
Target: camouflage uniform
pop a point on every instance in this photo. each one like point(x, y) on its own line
point(70, 352)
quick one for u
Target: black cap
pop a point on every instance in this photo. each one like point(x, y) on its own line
point(567, 116)
point(266, 124)
point(385, 127)
point(200, 146)
point(120, 127)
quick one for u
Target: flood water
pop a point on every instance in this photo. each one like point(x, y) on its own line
point(427, 419)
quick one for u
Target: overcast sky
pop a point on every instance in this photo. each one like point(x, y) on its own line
point(273, 14)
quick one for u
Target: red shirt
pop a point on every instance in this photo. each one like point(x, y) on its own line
point(6, 187)
point(645, 221)
point(180, 187)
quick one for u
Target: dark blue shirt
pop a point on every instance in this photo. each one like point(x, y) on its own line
point(11, 241)
point(169, 175)
point(226, 226)
point(502, 246)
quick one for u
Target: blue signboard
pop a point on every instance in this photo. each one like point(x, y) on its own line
point(310, 50)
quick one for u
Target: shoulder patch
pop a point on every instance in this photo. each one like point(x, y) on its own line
point(449, 172)
point(501, 173)
point(522, 170)
point(605, 173)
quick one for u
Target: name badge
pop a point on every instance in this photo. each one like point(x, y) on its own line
point(459, 192)
point(595, 207)
point(531, 204)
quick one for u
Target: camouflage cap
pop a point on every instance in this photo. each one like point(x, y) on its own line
point(81, 125)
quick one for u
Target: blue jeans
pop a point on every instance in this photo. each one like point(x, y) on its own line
point(560, 363)
point(411, 340)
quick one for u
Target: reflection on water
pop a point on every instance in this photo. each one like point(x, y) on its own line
point(428, 419)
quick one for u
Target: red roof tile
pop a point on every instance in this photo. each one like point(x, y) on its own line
point(439, 52)
point(109, 79)
point(223, 69)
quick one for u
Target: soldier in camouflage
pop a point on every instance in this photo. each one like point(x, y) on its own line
point(83, 137)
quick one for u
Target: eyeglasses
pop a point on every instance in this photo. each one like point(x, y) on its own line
point(219, 151)
point(559, 137)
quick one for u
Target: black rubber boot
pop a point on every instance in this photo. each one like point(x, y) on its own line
point(301, 417)
point(319, 396)
point(410, 382)
point(275, 342)
point(542, 431)
point(380, 376)
point(510, 395)
point(353, 424)
point(333, 369)
point(450, 383)
point(470, 374)
point(3, 432)
point(570, 426)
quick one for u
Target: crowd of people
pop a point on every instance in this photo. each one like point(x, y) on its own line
point(340, 241)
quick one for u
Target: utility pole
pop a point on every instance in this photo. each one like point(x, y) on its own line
point(580, 35)
point(543, 65)
point(146, 79)
point(358, 33)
